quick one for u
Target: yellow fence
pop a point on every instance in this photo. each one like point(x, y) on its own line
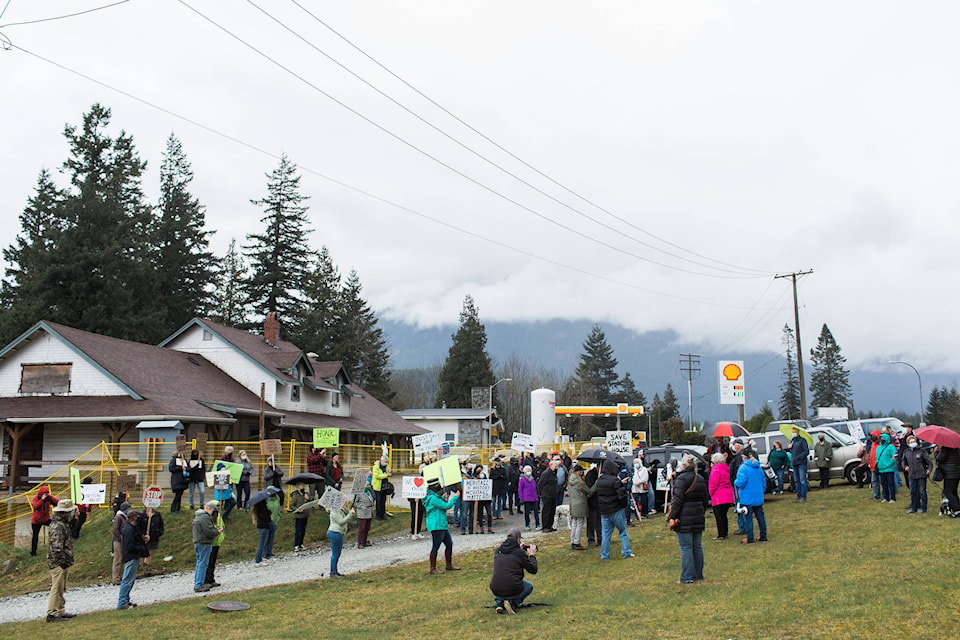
point(149, 461)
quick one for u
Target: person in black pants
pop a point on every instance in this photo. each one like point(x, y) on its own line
point(948, 464)
point(513, 477)
point(179, 480)
point(593, 512)
point(547, 488)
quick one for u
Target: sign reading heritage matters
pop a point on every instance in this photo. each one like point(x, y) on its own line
point(477, 490)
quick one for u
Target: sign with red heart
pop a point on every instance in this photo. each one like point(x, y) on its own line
point(414, 487)
point(418, 481)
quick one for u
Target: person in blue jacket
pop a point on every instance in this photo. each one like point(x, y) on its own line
point(751, 482)
point(887, 468)
point(799, 452)
point(436, 508)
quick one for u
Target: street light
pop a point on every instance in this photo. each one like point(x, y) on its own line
point(490, 403)
point(919, 383)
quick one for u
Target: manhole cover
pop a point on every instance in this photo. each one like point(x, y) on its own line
point(228, 605)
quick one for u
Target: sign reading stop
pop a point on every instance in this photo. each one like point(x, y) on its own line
point(152, 496)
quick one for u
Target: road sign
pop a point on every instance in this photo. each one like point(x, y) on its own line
point(152, 496)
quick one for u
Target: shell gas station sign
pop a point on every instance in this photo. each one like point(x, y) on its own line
point(730, 375)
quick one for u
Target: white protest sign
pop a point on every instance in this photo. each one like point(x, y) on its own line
point(662, 484)
point(414, 487)
point(221, 480)
point(522, 442)
point(93, 493)
point(619, 441)
point(152, 496)
point(426, 443)
point(359, 481)
point(856, 430)
point(477, 490)
point(332, 500)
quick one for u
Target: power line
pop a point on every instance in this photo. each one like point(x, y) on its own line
point(69, 15)
point(367, 193)
point(442, 163)
point(514, 156)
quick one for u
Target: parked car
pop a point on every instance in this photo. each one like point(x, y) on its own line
point(845, 449)
point(762, 443)
point(662, 454)
point(867, 425)
point(776, 424)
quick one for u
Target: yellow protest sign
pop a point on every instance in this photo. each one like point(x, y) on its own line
point(326, 437)
point(75, 485)
point(447, 470)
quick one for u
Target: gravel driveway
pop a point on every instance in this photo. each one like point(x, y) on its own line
point(286, 568)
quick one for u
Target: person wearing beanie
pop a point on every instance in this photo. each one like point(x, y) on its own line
point(436, 508)
point(510, 560)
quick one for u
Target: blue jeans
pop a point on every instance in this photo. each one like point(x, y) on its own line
point(457, 512)
point(651, 497)
point(203, 558)
point(336, 546)
point(270, 537)
point(196, 486)
point(499, 504)
point(607, 523)
point(441, 536)
point(262, 545)
point(129, 577)
point(516, 601)
point(691, 555)
point(466, 518)
point(761, 521)
point(228, 505)
point(918, 494)
point(800, 482)
point(780, 473)
point(888, 483)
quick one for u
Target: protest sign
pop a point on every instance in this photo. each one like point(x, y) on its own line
point(360, 481)
point(235, 469)
point(331, 500)
point(856, 430)
point(477, 490)
point(201, 441)
point(619, 441)
point(447, 470)
point(152, 496)
point(522, 442)
point(127, 483)
point(219, 480)
point(271, 447)
point(662, 484)
point(93, 493)
point(444, 449)
point(75, 485)
point(306, 505)
point(183, 447)
point(426, 443)
point(414, 487)
point(326, 437)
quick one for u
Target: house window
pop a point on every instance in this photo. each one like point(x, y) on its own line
point(334, 399)
point(295, 393)
point(45, 378)
point(449, 437)
point(207, 336)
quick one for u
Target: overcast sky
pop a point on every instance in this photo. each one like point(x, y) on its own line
point(677, 155)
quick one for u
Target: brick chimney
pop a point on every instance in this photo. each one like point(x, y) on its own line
point(271, 328)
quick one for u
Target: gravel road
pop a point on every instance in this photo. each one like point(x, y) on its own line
point(282, 569)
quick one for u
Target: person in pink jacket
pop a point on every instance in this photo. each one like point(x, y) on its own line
point(721, 493)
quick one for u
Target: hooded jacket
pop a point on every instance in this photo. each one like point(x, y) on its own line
point(886, 455)
point(719, 486)
point(690, 500)
point(751, 482)
point(611, 493)
point(948, 461)
point(510, 560)
point(436, 508)
point(42, 504)
point(527, 488)
point(579, 496)
point(203, 530)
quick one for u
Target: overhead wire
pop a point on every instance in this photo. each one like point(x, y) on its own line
point(510, 153)
point(437, 160)
point(480, 155)
point(51, 19)
point(370, 195)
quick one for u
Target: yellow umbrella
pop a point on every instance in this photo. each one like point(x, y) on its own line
point(787, 430)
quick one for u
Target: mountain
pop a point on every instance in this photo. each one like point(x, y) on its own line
point(653, 360)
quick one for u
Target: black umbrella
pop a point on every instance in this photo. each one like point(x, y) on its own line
point(600, 456)
point(262, 495)
point(305, 478)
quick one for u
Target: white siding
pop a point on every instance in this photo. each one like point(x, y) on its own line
point(312, 401)
point(43, 348)
point(443, 426)
point(67, 442)
point(229, 359)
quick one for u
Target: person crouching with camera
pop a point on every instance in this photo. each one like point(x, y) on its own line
point(510, 560)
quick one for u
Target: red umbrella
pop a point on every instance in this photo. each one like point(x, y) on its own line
point(725, 430)
point(939, 435)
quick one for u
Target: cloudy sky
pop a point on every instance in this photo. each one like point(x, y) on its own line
point(648, 163)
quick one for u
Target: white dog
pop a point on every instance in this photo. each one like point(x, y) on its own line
point(563, 510)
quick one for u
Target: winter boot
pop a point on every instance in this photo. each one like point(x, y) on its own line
point(448, 554)
point(433, 564)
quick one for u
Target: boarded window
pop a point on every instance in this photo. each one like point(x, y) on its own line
point(45, 378)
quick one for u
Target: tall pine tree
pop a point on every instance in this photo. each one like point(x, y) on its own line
point(185, 268)
point(229, 299)
point(468, 364)
point(316, 329)
point(789, 405)
point(830, 382)
point(279, 257)
point(363, 349)
point(597, 369)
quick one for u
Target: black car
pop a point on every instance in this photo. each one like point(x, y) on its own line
point(658, 458)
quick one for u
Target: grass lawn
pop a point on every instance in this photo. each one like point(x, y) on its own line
point(92, 549)
point(840, 566)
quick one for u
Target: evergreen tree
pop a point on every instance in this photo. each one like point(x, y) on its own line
point(934, 410)
point(830, 382)
point(279, 257)
point(228, 299)
point(789, 406)
point(185, 269)
point(468, 364)
point(669, 408)
point(629, 393)
point(597, 369)
point(363, 349)
point(316, 329)
point(943, 408)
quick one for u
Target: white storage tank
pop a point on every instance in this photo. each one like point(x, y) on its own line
point(543, 416)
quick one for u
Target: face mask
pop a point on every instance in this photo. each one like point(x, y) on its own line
point(528, 473)
point(913, 445)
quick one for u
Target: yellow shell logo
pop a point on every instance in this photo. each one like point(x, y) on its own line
point(732, 372)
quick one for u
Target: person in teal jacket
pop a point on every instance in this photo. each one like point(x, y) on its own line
point(887, 468)
point(436, 508)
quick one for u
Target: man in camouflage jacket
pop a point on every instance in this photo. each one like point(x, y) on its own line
point(59, 559)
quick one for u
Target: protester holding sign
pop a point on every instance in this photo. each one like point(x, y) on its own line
point(198, 471)
point(363, 502)
point(437, 508)
point(150, 526)
point(297, 499)
point(333, 474)
point(224, 493)
point(339, 519)
point(243, 487)
point(179, 479)
point(83, 511)
point(317, 465)
point(273, 477)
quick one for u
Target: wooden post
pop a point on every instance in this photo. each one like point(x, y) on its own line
point(476, 506)
point(416, 516)
point(17, 432)
point(263, 429)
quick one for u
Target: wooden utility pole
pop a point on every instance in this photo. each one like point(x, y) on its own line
point(796, 327)
point(263, 431)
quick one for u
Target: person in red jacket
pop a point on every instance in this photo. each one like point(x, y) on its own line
point(41, 504)
point(83, 511)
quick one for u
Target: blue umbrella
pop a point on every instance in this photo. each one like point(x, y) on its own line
point(262, 495)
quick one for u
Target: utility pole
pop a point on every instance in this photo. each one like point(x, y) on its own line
point(796, 323)
point(690, 364)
